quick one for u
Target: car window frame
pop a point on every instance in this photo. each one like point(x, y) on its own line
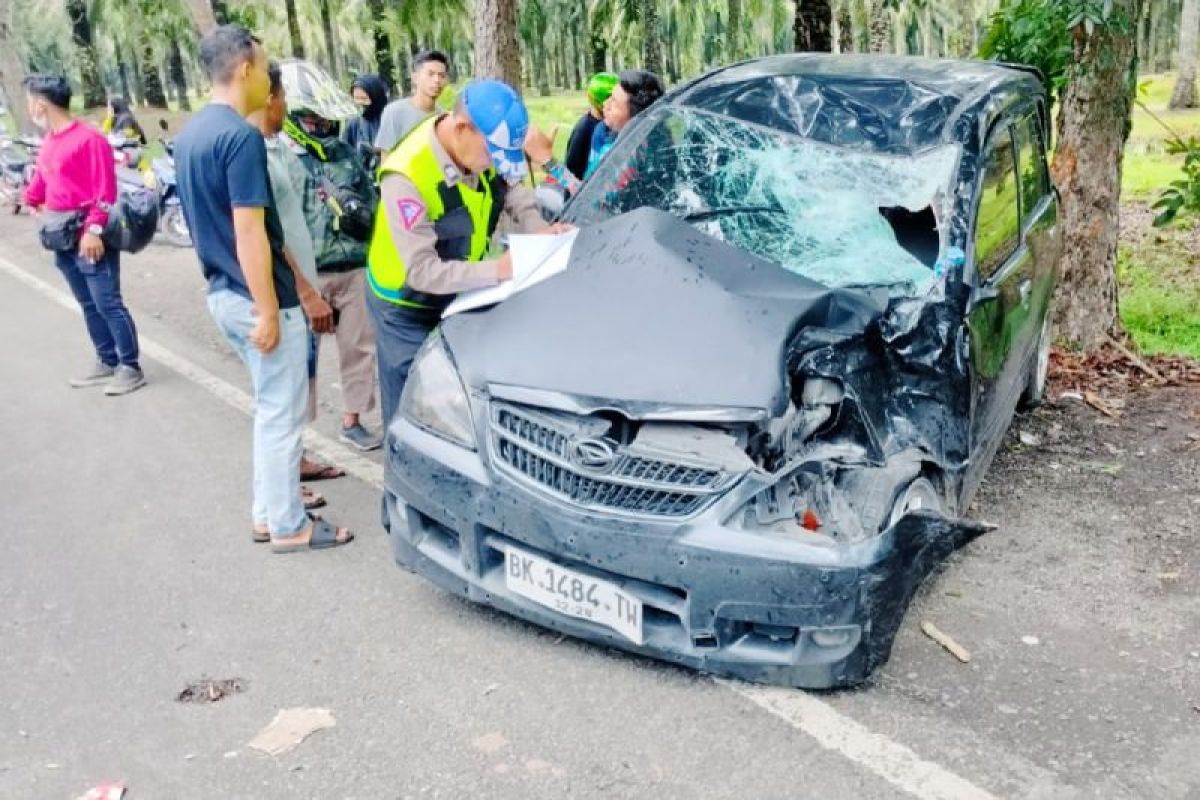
point(1003, 127)
point(1033, 115)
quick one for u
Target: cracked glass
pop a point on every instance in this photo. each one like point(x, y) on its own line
point(837, 216)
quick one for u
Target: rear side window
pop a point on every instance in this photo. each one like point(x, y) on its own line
point(1035, 183)
point(997, 223)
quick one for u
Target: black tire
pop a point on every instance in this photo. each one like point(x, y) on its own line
point(1039, 368)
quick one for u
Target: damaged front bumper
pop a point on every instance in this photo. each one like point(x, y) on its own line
point(713, 597)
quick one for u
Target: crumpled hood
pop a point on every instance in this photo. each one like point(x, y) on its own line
point(651, 311)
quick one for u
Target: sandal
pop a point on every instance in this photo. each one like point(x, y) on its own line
point(324, 536)
point(262, 535)
point(312, 500)
point(320, 472)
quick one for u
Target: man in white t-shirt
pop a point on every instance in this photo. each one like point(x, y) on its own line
point(430, 74)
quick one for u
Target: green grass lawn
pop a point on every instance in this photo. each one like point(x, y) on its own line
point(1147, 167)
point(1159, 290)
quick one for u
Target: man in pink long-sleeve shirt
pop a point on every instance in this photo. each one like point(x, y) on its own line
point(76, 176)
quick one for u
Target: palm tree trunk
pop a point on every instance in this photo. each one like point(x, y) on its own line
point(845, 33)
point(1087, 171)
point(733, 38)
point(812, 27)
point(123, 72)
point(151, 79)
point(335, 67)
point(651, 43)
point(384, 64)
point(497, 50)
point(12, 71)
point(203, 15)
point(85, 54)
point(294, 28)
point(1184, 95)
point(881, 27)
point(179, 76)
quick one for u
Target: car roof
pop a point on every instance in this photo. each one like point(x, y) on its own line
point(896, 104)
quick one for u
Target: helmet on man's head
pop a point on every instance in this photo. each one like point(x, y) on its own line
point(500, 115)
point(311, 89)
point(599, 87)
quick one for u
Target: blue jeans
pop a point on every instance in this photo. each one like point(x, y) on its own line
point(280, 382)
point(399, 334)
point(97, 289)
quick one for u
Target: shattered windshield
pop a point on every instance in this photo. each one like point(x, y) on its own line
point(837, 216)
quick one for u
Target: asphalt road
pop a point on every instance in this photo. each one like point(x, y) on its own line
point(128, 573)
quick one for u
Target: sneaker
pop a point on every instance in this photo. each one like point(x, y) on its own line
point(98, 374)
point(358, 436)
point(125, 380)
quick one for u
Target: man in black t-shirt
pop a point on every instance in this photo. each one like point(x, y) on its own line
point(225, 191)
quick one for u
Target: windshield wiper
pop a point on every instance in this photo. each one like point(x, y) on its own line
point(712, 213)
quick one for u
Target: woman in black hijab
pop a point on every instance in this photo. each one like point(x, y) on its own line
point(371, 94)
point(120, 119)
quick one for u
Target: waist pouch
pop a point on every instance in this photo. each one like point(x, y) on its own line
point(60, 230)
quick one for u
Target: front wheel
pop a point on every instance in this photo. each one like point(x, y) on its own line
point(175, 228)
point(920, 495)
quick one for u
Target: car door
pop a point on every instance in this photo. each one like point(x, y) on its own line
point(1001, 317)
point(1039, 217)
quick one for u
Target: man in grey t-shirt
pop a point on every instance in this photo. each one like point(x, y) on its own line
point(429, 76)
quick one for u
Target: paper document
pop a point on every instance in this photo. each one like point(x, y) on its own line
point(535, 257)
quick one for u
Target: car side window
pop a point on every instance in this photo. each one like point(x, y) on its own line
point(997, 222)
point(1035, 183)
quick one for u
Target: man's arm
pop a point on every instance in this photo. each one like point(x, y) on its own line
point(520, 205)
point(413, 237)
point(316, 308)
point(387, 135)
point(35, 192)
point(254, 256)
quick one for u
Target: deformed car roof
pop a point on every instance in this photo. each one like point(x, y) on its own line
point(893, 104)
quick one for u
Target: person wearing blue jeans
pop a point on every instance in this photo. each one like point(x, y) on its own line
point(225, 192)
point(97, 289)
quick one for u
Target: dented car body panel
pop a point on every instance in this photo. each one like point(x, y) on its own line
point(807, 295)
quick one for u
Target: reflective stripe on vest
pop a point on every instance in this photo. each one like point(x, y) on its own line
point(463, 219)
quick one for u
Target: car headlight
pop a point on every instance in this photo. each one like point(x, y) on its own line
point(434, 396)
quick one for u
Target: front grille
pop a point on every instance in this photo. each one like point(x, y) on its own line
point(534, 448)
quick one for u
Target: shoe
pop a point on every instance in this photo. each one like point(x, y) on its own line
point(358, 436)
point(98, 374)
point(125, 380)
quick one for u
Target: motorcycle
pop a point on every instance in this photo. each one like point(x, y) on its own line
point(17, 161)
point(171, 222)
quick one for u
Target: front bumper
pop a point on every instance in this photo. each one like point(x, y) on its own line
point(715, 598)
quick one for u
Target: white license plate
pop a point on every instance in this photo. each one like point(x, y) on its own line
point(573, 593)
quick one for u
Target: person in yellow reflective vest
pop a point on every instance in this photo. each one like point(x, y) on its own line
point(442, 191)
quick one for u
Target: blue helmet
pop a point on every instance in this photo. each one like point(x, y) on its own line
point(499, 113)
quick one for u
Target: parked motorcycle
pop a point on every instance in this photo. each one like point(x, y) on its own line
point(17, 159)
point(171, 222)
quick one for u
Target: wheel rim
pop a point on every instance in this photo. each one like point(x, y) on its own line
point(919, 495)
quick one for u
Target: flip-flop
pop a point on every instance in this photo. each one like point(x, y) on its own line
point(324, 536)
point(323, 472)
point(312, 500)
point(262, 537)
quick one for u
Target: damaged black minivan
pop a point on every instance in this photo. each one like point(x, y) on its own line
point(807, 294)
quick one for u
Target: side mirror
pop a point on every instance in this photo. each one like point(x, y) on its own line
point(983, 294)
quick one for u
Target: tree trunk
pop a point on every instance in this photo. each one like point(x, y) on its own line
point(497, 51)
point(179, 76)
point(384, 64)
point(85, 54)
point(576, 54)
point(335, 67)
point(881, 27)
point(220, 11)
point(203, 15)
point(927, 30)
point(733, 33)
point(12, 72)
point(1184, 95)
point(599, 48)
point(139, 88)
point(651, 44)
point(1094, 123)
point(845, 30)
point(813, 26)
point(293, 21)
point(123, 73)
point(151, 79)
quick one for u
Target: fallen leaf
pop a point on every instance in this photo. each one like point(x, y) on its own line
point(290, 727)
point(944, 639)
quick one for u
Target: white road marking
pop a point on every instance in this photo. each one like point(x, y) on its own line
point(889, 760)
point(318, 444)
point(833, 730)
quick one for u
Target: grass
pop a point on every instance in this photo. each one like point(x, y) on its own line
point(1148, 169)
point(1159, 290)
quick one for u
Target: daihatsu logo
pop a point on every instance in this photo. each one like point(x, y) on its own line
point(594, 455)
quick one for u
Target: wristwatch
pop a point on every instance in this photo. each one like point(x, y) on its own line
point(95, 230)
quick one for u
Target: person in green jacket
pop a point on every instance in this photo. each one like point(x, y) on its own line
point(339, 210)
